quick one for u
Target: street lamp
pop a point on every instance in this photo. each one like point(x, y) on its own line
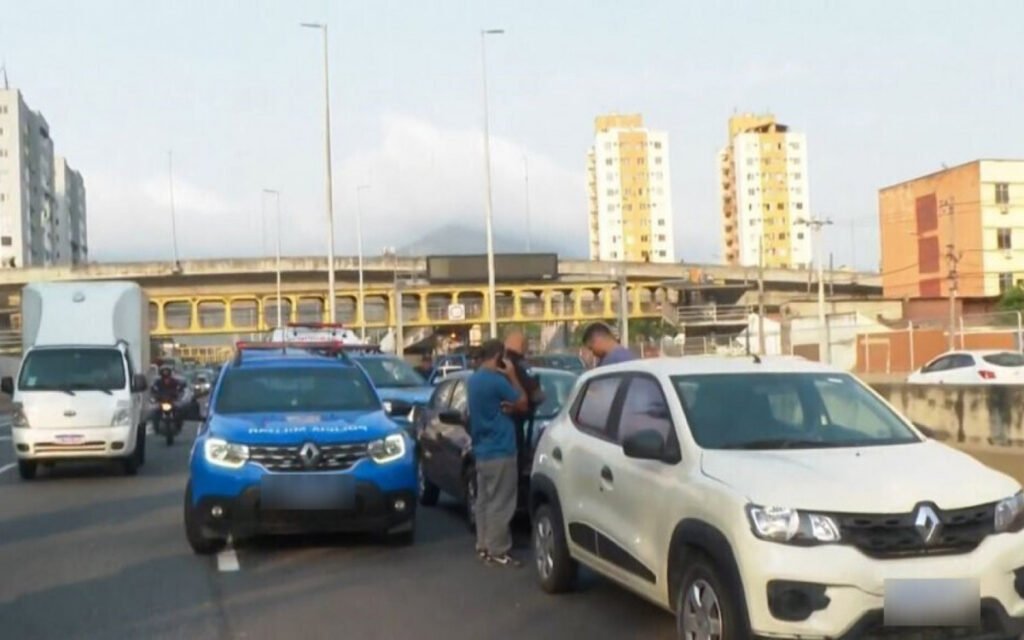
point(491, 295)
point(816, 224)
point(361, 309)
point(277, 195)
point(328, 187)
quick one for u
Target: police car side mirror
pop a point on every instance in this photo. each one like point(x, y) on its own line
point(399, 408)
point(7, 385)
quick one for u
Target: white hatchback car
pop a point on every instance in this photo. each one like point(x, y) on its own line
point(972, 367)
point(777, 498)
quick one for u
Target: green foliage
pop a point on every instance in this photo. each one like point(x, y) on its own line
point(1012, 300)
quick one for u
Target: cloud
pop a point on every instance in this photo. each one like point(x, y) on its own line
point(422, 177)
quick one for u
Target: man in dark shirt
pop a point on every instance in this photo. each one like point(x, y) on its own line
point(600, 340)
point(494, 393)
point(515, 352)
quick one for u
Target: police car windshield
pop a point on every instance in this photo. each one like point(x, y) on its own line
point(288, 389)
point(391, 372)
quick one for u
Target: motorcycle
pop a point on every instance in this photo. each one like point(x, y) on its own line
point(166, 422)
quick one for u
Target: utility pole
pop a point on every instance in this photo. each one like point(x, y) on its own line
point(492, 296)
point(953, 276)
point(526, 200)
point(174, 217)
point(816, 223)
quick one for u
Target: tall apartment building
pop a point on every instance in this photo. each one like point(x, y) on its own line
point(975, 209)
point(629, 183)
point(32, 233)
point(764, 192)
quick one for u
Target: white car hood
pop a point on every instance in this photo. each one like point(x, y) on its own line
point(884, 479)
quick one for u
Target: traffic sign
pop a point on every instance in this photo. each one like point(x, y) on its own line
point(457, 312)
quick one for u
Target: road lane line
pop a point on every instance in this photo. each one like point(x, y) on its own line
point(7, 467)
point(227, 560)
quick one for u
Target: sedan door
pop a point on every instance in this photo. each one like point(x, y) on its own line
point(454, 442)
point(431, 430)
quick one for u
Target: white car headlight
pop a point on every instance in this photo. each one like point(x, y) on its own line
point(224, 453)
point(1010, 514)
point(122, 417)
point(18, 419)
point(389, 449)
point(780, 524)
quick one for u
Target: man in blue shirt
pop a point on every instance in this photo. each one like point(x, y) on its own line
point(598, 338)
point(494, 392)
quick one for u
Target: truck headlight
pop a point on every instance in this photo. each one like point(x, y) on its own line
point(122, 417)
point(389, 449)
point(18, 419)
point(225, 454)
point(1010, 514)
point(780, 524)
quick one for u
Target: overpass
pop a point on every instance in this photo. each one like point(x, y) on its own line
point(237, 296)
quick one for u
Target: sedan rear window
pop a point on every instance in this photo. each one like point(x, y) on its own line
point(1005, 359)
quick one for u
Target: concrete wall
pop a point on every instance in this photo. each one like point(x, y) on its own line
point(970, 415)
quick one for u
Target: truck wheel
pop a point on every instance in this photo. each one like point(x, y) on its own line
point(429, 492)
point(130, 465)
point(140, 445)
point(26, 469)
point(169, 438)
point(201, 544)
point(556, 569)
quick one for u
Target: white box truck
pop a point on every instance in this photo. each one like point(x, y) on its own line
point(81, 390)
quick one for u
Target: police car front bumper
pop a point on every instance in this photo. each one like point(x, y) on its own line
point(247, 514)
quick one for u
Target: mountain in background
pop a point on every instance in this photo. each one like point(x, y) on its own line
point(462, 239)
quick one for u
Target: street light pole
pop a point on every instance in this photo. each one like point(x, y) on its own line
point(328, 186)
point(174, 217)
point(526, 199)
point(823, 343)
point(360, 308)
point(277, 269)
point(491, 294)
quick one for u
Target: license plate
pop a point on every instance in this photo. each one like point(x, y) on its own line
point(302, 491)
point(932, 603)
point(70, 439)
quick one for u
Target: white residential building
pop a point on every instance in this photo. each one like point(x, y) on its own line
point(32, 231)
point(630, 195)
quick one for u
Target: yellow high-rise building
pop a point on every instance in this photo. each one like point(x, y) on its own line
point(628, 180)
point(763, 190)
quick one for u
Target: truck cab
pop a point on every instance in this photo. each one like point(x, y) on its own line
point(80, 391)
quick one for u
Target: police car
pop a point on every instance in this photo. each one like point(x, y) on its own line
point(296, 439)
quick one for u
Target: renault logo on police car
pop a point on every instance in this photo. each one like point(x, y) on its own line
point(927, 524)
point(309, 454)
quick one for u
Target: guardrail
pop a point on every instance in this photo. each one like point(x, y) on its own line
point(712, 314)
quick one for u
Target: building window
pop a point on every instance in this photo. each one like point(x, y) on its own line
point(3, 153)
point(780, 206)
point(661, 222)
point(608, 161)
point(1005, 282)
point(6, 241)
point(661, 253)
point(657, 160)
point(661, 237)
point(799, 205)
point(1002, 193)
point(1004, 239)
point(800, 235)
point(657, 145)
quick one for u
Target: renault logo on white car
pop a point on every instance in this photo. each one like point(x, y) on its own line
point(927, 524)
point(309, 454)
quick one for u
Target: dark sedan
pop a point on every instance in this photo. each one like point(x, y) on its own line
point(562, 361)
point(446, 452)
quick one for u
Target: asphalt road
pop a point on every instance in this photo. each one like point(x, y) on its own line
point(86, 552)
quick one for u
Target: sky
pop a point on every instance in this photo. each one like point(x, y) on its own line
point(884, 91)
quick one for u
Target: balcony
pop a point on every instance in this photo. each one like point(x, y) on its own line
point(711, 314)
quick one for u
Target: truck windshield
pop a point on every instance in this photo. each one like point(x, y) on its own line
point(391, 372)
point(73, 369)
point(295, 389)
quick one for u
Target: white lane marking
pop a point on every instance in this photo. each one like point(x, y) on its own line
point(227, 560)
point(7, 467)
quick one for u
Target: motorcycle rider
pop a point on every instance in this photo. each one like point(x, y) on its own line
point(167, 388)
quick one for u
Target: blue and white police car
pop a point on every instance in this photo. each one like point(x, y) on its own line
point(296, 439)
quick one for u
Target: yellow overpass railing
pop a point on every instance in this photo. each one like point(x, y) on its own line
point(426, 305)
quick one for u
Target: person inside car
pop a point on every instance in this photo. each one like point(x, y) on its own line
point(599, 340)
point(494, 392)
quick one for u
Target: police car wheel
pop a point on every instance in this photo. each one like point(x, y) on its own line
point(201, 544)
point(402, 539)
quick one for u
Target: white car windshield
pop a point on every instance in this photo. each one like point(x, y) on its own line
point(786, 411)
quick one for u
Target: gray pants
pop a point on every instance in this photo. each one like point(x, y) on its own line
point(497, 483)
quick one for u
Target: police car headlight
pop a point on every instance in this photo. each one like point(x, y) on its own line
point(779, 524)
point(389, 449)
point(225, 454)
point(1010, 514)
